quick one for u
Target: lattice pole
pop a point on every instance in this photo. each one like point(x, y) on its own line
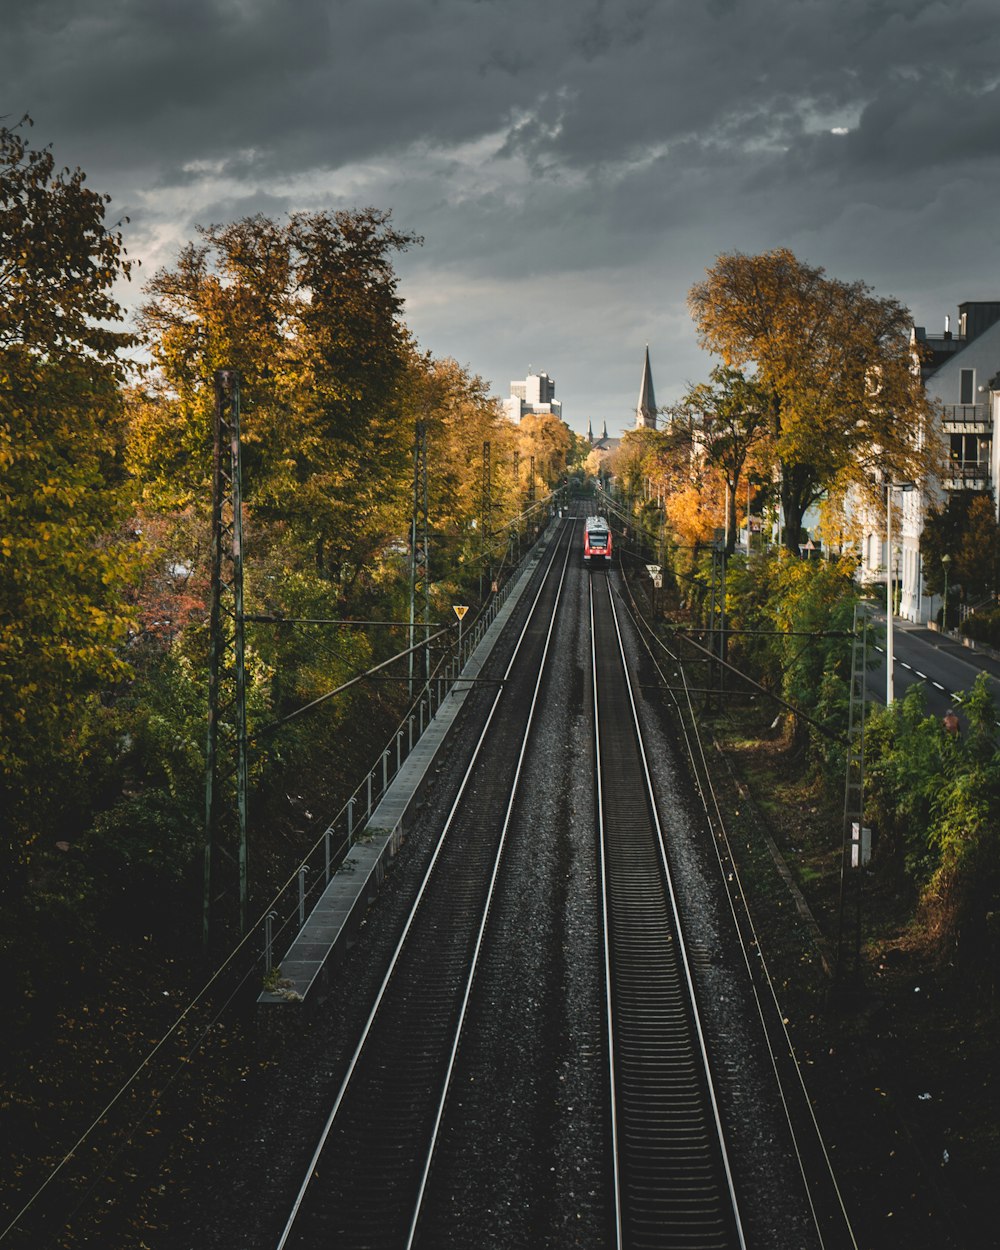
point(853, 843)
point(225, 875)
point(485, 514)
point(420, 582)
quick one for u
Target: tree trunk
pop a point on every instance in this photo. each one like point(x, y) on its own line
point(798, 490)
point(731, 532)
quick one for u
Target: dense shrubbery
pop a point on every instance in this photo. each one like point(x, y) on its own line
point(934, 799)
point(983, 627)
point(791, 621)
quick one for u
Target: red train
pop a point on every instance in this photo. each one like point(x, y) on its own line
point(596, 541)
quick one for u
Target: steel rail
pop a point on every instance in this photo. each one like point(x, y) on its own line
point(747, 937)
point(428, 878)
point(670, 1189)
point(606, 933)
point(487, 905)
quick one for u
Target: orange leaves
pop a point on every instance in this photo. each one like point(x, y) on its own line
point(691, 520)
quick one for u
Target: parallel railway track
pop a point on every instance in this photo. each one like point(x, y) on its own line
point(366, 1180)
point(673, 1186)
point(377, 1177)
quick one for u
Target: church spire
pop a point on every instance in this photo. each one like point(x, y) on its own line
point(590, 432)
point(645, 409)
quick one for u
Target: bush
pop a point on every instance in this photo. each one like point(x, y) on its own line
point(935, 801)
point(983, 627)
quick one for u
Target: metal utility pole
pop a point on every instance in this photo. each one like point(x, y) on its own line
point(225, 880)
point(717, 603)
point(420, 581)
point(485, 514)
point(890, 606)
point(420, 541)
point(531, 483)
point(856, 842)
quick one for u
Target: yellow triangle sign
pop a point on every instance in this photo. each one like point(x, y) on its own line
point(460, 609)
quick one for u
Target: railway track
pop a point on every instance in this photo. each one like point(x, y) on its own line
point(672, 1180)
point(366, 1180)
point(385, 1172)
point(825, 1220)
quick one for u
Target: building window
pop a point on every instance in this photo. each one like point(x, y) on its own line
point(967, 385)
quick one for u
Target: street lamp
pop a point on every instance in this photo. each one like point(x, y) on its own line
point(890, 487)
point(945, 561)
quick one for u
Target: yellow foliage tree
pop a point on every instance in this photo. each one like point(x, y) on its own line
point(62, 568)
point(834, 363)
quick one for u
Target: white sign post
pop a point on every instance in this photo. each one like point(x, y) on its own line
point(861, 845)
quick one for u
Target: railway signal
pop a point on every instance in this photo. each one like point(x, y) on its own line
point(460, 611)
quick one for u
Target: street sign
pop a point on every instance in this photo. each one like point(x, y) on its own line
point(652, 569)
point(658, 581)
point(460, 609)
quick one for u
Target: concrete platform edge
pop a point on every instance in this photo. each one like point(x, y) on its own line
point(333, 923)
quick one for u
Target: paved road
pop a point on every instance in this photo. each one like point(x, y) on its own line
point(940, 662)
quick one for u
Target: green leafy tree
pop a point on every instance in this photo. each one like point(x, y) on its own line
point(935, 802)
point(966, 530)
point(907, 759)
point(64, 560)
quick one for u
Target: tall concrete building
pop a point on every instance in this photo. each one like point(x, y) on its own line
point(645, 409)
point(535, 395)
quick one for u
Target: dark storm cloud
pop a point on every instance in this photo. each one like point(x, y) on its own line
point(550, 153)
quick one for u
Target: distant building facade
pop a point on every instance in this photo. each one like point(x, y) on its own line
point(535, 395)
point(960, 370)
point(603, 443)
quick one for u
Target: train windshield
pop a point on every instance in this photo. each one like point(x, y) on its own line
point(598, 538)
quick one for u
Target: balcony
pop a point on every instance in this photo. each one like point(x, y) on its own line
point(967, 475)
point(966, 419)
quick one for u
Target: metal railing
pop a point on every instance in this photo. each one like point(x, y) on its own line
point(286, 913)
point(977, 415)
point(961, 474)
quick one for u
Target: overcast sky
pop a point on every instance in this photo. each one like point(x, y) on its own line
point(572, 166)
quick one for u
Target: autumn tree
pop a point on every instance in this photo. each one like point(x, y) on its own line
point(550, 441)
point(62, 568)
point(460, 417)
point(834, 364)
point(638, 456)
point(731, 412)
point(308, 313)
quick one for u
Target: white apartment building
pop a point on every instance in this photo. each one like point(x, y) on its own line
point(961, 374)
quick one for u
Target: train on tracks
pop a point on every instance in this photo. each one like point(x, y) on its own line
point(597, 541)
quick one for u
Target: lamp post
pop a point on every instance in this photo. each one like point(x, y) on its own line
point(945, 561)
point(890, 487)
